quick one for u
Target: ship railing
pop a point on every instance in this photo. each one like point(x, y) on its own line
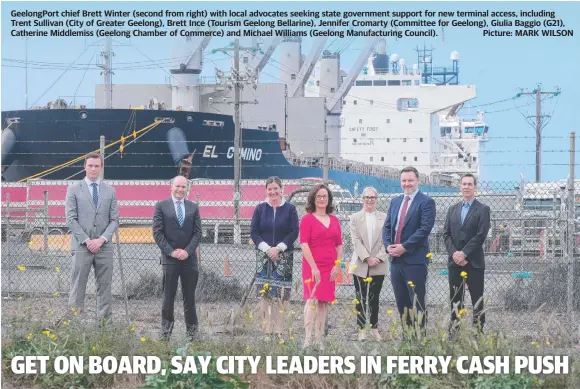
point(346, 165)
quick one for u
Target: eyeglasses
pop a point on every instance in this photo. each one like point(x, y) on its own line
point(321, 197)
point(370, 197)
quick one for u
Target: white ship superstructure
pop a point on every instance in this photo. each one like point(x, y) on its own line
point(396, 115)
point(375, 118)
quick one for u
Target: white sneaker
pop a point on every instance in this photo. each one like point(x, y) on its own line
point(376, 335)
point(362, 335)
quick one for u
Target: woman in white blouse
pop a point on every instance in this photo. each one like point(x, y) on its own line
point(369, 260)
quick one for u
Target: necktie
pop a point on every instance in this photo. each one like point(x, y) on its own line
point(402, 220)
point(464, 211)
point(179, 213)
point(95, 194)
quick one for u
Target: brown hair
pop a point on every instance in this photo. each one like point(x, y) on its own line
point(470, 175)
point(94, 154)
point(310, 202)
point(274, 180)
point(410, 169)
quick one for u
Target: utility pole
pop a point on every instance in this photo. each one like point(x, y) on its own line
point(571, 227)
point(107, 72)
point(537, 93)
point(237, 81)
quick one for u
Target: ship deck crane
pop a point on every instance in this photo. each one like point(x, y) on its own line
point(308, 66)
point(195, 59)
point(352, 74)
point(261, 59)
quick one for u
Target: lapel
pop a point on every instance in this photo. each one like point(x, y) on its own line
point(470, 212)
point(456, 215)
point(363, 228)
point(101, 194)
point(397, 202)
point(380, 220)
point(174, 211)
point(186, 210)
point(414, 205)
point(85, 189)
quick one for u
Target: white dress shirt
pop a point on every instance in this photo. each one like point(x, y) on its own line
point(411, 197)
point(90, 185)
point(91, 188)
point(182, 205)
point(371, 219)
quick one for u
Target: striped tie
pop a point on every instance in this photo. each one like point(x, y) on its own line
point(95, 194)
point(179, 213)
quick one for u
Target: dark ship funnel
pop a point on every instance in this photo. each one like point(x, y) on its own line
point(177, 144)
point(8, 142)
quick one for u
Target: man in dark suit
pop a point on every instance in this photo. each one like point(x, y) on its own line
point(177, 232)
point(466, 227)
point(406, 232)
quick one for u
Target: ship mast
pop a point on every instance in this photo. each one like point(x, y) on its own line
point(25, 73)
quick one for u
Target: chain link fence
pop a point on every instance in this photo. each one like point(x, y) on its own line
point(532, 280)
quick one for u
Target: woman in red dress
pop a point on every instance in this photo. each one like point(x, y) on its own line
point(321, 242)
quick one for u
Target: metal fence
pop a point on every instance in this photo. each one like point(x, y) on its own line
point(531, 251)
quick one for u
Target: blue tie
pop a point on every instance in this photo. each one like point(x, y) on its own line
point(179, 213)
point(95, 194)
point(464, 211)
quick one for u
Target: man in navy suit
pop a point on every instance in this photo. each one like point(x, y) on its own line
point(406, 232)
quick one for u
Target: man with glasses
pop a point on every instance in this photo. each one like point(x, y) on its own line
point(369, 259)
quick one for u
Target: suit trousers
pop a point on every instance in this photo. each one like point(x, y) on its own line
point(374, 291)
point(102, 261)
point(475, 281)
point(188, 276)
point(407, 296)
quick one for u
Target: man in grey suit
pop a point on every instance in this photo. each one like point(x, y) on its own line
point(92, 216)
point(177, 232)
point(466, 228)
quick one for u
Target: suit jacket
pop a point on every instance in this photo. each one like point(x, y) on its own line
point(468, 237)
point(169, 235)
point(84, 220)
point(364, 249)
point(419, 222)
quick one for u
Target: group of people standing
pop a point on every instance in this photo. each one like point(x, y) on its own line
point(395, 243)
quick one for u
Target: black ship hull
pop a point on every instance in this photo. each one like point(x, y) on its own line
point(34, 141)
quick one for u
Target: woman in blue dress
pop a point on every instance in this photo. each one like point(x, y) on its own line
point(274, 230)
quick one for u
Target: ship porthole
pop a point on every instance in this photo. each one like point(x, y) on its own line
point(189, 118)
point(83, 115)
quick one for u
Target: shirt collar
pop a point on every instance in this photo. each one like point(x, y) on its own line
point(412, 195)
point(281, 202)
point(89, 182)
point(175, 200)
point(470, 202)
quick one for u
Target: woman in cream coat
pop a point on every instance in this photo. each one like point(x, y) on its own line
point(369, 260)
